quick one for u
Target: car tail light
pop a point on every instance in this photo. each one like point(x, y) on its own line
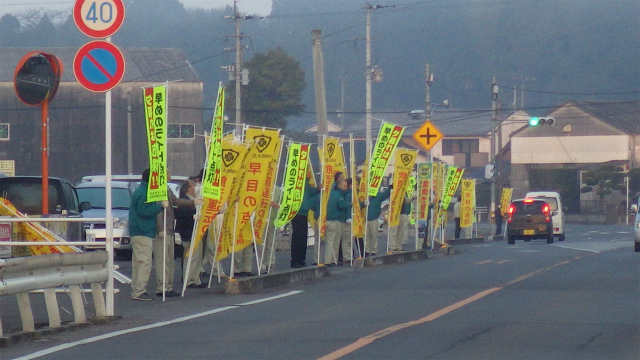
point(512, 209)
point(545, 210)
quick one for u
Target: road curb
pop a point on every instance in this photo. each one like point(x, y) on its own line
point(45, 330)
point(255, 284)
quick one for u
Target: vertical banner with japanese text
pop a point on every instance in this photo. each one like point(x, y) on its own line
point(454, 175)
point(388, 139)
point(403, 164)
point(294, 180)
point(505, 201)
point(267, 142)
point(424, 189)
point(467, 202)
point(213, 170)
point(155, 108)
point(358, 216)
point(332, 159)
point(233, 154)
point(228, 229)
point(264, 206)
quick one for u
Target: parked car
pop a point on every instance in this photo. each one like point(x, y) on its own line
point(25, 193)
point(636, 232)
point(529, 219)
point(557, 213)
point(94, 192)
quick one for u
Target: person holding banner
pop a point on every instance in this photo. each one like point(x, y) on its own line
point(398, 234)
point(142, 229)
point(164, 249)
point(338, 211)
point(456, 217)
point(374, 210)
point(268, 250)
point(300, 225)
point(498, 219)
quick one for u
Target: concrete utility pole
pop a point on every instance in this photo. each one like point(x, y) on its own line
point(368, 74)
point(427, 100)
point(238, 68)
point(318, 77)
point(494, 118)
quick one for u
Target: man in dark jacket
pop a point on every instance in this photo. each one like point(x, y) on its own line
point(300, 226)
point(142, 229)
point(164, 248)
point(338, 212)
point(374, 210)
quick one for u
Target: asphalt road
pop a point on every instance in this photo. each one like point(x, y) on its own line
point(577, 299)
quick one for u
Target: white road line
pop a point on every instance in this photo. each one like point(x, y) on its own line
point(147, 327)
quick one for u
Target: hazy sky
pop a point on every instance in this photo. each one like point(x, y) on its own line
point(254, 7)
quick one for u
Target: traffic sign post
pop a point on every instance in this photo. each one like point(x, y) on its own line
point(99, 66)
point(427, 135)
point(36, 81)
point(98, 18)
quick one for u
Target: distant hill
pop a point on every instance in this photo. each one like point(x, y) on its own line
point(557, 49)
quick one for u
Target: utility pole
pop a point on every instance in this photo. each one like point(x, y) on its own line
point(427, 100)
point(368, 69)
point(372, 73)
point(238, 68)
point(241, 77)
point(494, 108)
point(318, 77)
point(342, 102)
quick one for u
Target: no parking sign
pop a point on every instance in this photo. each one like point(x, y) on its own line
point(98, 66)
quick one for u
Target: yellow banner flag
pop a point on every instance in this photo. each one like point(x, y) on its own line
point(236, 232)
point(155, 108)
point(332, 159)
point(228, 229)
point(358, 216)
point(505, 201)
point(293, 188)
point(233, 154)
point(454, 175)
point(425, 182)
point(388, 139)
point(403, 165)
point(264, 206)
point(213, 169)
point(467, 202)
point(33, 232)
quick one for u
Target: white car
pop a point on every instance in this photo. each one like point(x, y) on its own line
point(93, 192)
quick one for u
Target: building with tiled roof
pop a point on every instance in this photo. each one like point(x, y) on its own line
point(77, 117)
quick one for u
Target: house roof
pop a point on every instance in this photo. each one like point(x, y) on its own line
point(623, 115)
point(589, 118)
point(450, 122)
point(141, 64)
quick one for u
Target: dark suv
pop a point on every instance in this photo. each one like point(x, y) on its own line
point(529, 219)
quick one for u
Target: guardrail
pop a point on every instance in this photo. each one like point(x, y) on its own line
point(19, 276)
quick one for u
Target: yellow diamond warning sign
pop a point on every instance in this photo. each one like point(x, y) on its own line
point(427, 135)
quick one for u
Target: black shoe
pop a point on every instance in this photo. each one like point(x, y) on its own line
point(297, 266)
point(330, 265)
point(168, 294)
point(143, 297)
point(199, 286)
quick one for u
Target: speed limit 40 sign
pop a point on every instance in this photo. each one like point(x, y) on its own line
point(98, 18)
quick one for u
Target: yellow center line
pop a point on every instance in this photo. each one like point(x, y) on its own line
point(366, 340)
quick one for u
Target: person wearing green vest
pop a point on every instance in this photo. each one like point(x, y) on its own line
point(338, 211)
point(398, 234)
point(142, 229)
point(374, 210)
